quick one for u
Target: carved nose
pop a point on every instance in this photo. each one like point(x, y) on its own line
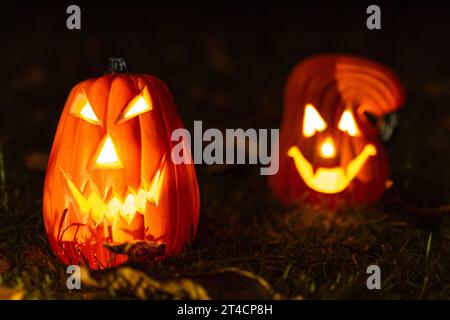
point(327, 149)
point(107, 157)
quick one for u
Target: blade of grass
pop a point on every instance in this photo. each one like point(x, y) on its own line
point(286, 271)
point(430, 236)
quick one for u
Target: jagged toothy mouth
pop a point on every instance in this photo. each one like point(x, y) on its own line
point(115, 206)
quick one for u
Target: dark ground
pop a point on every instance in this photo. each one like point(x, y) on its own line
point(233, 60)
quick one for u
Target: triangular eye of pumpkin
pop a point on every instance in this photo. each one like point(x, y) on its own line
point(82, 109)
point(347, 124)
point(88, 114)
point(312, 121)
point(138, 105)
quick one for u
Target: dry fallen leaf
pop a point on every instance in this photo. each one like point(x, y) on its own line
point(143, 278)
point(144, 282)
point(141, 285)
point(140, 252)
point(233, 283)
point(8, 293)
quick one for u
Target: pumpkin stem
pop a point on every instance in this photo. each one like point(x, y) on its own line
point(117, 65)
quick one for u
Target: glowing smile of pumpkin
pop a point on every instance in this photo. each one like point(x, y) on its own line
point(330, 180)
point(111, 208)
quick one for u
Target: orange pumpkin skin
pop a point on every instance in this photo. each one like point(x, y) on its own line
point(87, 200)
point(333, 84)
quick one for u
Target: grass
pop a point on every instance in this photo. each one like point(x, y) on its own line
point(238, 68)
point(299, 251)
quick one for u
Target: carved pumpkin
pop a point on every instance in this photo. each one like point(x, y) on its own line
point(110, 178)
point(330, 153)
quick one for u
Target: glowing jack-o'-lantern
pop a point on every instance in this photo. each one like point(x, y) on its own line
point(110, 178)
point(330, 153)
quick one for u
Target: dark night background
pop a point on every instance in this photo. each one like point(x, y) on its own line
point(226, 64)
